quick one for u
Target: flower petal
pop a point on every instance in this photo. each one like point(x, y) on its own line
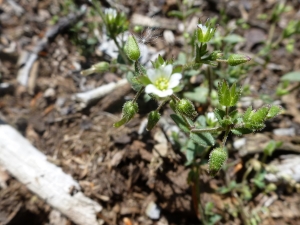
point(152, 75)
point(151, 89)
point(167, 71)
point(174, 80)
point(166, 93)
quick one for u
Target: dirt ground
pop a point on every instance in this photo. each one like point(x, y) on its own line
point(118, 167)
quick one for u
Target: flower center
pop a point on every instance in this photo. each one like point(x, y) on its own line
point(162, 83)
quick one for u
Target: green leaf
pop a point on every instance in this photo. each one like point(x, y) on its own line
point(259, 116)
point(190, 152)
point(234, 95)
point(180, 123)
point(190, 12)
point(135, 84)
point(271, 146)
point(219, 113)
point(176, 13)
point(204, 139)
point(234, 115)
point(241, 131)
point(224, 93)
point(247, 114)
point(199, 94)
point(273, 111)
point(292, 76)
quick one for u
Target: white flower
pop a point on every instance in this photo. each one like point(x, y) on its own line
point(204, 29)
point(110, 13)
point(211, 116)
point(162, 81)
point(205, 33)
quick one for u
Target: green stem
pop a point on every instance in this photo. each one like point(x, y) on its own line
point(210, 83)
point(162, 104)
point(191, 126)
point(175, 98)
point(202, 130)
point(138, 94)
point(121, 51)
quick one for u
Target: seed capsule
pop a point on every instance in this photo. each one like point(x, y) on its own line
point(237, 59)
point(217, 158)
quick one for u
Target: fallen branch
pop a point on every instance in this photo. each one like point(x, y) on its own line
point(28, 165)
point(86, 98)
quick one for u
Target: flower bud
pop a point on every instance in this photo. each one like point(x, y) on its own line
point(186, 108)
point(129, 110)
point(217, 158)
point(99, 67)
point(205, 33)
point(153, 118)
point(132, 49)
point(237, 59)
point(216, 55)
point(173, 105)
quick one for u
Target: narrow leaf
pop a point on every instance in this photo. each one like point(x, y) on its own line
point(219, 114)
point(180, 123)
point(224, 93)
point(241, 131)
point(259, 116)
point(247, 114)
point(204, 139)
point(273, 111)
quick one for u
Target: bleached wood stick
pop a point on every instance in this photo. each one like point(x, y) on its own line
point(30, 166)
point(87, 97)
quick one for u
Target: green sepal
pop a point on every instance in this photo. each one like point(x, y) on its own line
point(217, 158)
point(153, 118)
point(204, 139)
point(180, 123)
point(173, 104)
point(143, 80)
point(158, 62)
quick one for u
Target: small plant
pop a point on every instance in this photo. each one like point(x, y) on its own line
point(167, 80)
